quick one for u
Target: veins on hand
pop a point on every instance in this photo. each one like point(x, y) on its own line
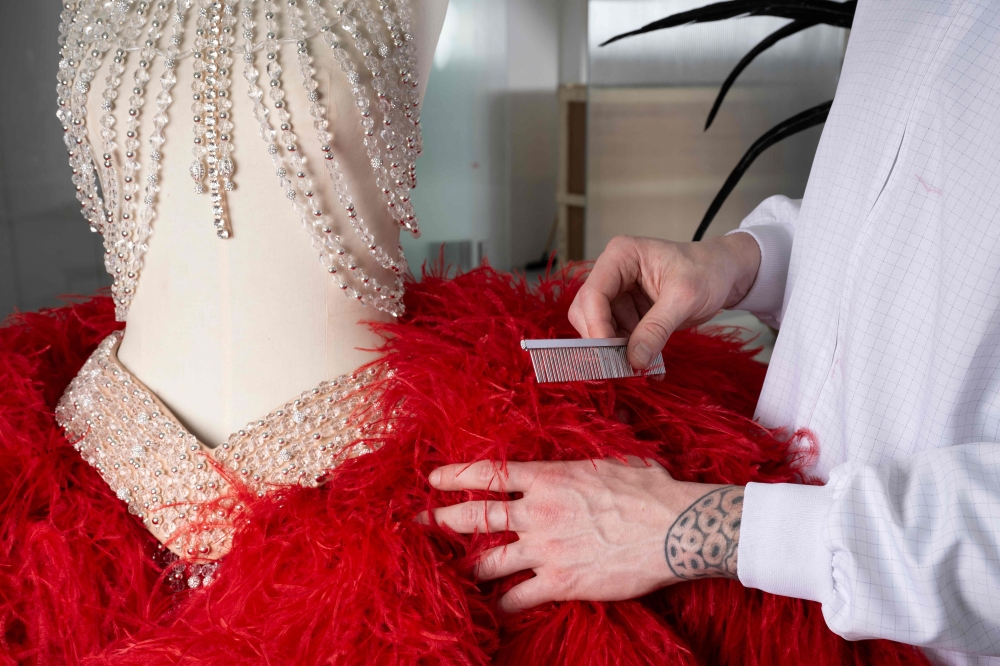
point(703, 542)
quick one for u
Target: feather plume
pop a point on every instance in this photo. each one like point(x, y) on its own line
point(342, 574)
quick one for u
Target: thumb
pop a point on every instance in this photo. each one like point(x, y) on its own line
point(652, 332)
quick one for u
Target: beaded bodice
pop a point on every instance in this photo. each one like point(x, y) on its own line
point(126, 51)
point(188, 494)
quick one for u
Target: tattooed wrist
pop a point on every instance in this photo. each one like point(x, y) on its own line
point(704, 540)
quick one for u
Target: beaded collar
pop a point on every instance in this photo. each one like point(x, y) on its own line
point(184, 492)
point(374, 46)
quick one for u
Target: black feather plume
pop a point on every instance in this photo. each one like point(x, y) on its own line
point(838, 14)
point(781, 33)
point(785, 31)
point(797, 123)
point(804, 14)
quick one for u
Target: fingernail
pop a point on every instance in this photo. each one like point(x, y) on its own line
point(435, 478)
point(642, 354)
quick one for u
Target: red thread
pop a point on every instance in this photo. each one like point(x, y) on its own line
point(929, 189)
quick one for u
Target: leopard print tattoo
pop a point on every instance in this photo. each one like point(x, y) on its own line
point(703, 541)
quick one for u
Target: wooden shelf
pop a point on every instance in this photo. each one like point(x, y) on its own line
point(571, 183)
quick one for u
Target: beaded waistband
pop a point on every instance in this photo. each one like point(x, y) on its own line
point(184, 492)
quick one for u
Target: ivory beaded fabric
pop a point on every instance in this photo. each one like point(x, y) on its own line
point(185, 493)
point(372, 41)
point(889, 348)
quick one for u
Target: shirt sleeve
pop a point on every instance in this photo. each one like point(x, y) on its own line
point(908, 551)
point(772, 225)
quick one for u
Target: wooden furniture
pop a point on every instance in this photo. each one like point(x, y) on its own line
point(637, 161)
point(652, 170)
point(571, 182)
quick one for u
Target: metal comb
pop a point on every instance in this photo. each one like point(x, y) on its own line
point(583, 359)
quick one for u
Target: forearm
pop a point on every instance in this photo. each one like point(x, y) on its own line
point(704, 540)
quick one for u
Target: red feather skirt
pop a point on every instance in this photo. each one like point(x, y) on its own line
point(342, 574)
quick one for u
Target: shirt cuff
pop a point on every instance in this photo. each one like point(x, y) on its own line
point(782, 548)
point(767, 294)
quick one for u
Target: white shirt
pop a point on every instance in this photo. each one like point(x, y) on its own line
point(885, 282)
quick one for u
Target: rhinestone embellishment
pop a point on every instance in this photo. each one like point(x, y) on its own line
point(119, 196)
point(185, 492)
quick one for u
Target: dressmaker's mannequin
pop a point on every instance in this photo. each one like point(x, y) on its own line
point(223, 331)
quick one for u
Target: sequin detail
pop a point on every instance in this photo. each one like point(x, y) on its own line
point(185, 493)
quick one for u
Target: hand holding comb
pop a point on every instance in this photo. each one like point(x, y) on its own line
point(584, 359)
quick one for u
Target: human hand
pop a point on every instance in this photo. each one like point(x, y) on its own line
point(598, 530)
point(646, 289)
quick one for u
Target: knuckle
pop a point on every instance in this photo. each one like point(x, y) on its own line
point(551, 550)
point(471, 513)
point(546, 513)
point(658, 327)
point(553, 475)
point(485, 472)
point(621, 243)
point(516, 598)
point(487, 566)
point(563, 578)
point(498, 515)
point(587, 296)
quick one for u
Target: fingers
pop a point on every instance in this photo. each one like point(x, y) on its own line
point(478, 516)
point(528, 594)
point(503, 561)
point(591, 313)
point(625, 312)
point(614, 272)
point(642, 304)
point(513, 477)
point(654, 329)
point(576, 316)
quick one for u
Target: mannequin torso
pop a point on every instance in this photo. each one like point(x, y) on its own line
point(223, 331)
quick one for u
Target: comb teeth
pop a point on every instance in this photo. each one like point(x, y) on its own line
point(582, 360)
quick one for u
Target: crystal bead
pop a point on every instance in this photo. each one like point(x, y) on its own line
point(197, 171)
point(296, 460)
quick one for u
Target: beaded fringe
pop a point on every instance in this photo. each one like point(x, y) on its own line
point(387, 97)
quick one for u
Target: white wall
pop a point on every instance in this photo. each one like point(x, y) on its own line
point(532, 80)
point(462, 177)
point(652, 170)
point(46, 248)
point(573, 41)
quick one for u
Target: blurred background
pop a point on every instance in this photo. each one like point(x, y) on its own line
point(537, 140)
